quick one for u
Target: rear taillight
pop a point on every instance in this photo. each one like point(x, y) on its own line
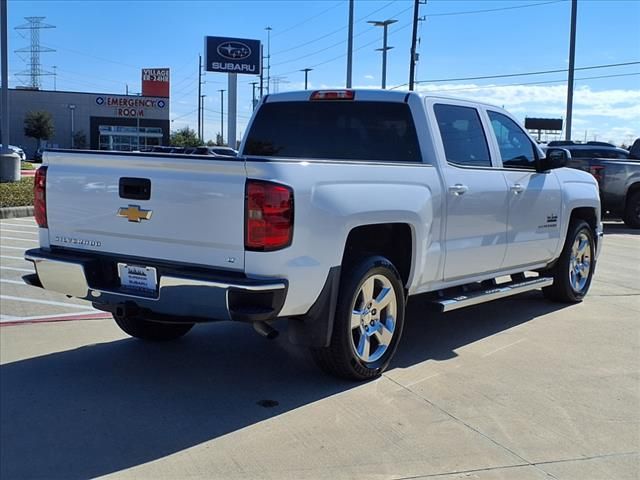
point(40, 197)
point(598, 172)
point(268, 216)
point(333, 95)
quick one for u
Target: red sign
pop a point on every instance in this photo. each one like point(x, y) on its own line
point(155, 82)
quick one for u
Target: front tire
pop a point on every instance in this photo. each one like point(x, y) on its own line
point(632, 210)
point(155, 331)
point(573, 272)
point(368, 321)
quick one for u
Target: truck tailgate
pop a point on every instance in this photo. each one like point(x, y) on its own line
point(194, 212)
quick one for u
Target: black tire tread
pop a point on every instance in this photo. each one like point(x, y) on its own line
point(331, 359)
point(561, 291)
point(630, 218)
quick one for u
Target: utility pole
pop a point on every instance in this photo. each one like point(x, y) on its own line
point(414, 39)
point(222, 115)
point(199, 97)
point(306, 75)
point(55, 76)
point(254, 101)
point(384, 24)
point(261, 71)
point(349, 46)
point(9, 161)
point(572, 58)
point(268, 29)
point(202, 116)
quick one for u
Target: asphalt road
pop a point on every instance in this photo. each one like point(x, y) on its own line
point(516, 389)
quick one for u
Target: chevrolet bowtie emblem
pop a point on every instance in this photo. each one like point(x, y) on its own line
point(134, 213)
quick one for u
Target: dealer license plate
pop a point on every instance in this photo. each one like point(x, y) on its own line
point(138, 278)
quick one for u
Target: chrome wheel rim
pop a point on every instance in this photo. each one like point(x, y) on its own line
point(580, 262)
point(373, 318)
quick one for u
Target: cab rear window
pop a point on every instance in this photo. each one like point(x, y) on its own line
point(344, 130)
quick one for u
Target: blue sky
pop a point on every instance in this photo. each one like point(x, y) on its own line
point(102, 45)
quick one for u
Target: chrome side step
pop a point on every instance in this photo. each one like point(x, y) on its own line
point(499, 291)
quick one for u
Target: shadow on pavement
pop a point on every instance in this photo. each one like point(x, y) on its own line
point(107, 407)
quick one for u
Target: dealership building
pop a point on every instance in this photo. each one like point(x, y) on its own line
point(99, 121)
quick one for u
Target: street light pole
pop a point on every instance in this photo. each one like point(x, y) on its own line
point(202, 97)
point(253, 102)
point(572, 58)
point(384, 24)
point(72, 107)
point(349, 46)
point(306, 76)
point(222, 115)
point(268, 29)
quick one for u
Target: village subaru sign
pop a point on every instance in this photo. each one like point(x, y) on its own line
point(232, 55)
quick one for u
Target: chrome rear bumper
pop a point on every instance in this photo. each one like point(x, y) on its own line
point(213, 298)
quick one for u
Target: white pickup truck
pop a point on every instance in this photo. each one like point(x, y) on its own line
point(340, 205)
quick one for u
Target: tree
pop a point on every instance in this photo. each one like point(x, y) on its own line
point(185, 137)
point(38, 125)
point(79, 140)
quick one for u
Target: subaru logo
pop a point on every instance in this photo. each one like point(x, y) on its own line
point(234, 50)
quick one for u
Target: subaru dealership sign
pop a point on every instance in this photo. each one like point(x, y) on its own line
point(232, 55)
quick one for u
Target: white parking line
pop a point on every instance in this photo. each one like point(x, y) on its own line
point(24, 225)
point(43, 302)
point(71, 316)
point(13, 269)
point(2, 229)
point(12, 248)
point(14, 282)
point(23, 219)
point(20, 239)
point(9, 257)
point(21, 232)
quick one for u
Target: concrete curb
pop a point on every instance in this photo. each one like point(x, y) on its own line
point(16, 212)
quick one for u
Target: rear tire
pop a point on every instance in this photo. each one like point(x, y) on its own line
point(368, 321)
point(573, 271)
point(147, 330)
point(632, 210)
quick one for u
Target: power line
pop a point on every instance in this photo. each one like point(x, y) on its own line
point(307, 20)
point(377, 40)
point(333, 32)
point(523, 74)
point(184, 115)
point(544, 82)
point(447, 14)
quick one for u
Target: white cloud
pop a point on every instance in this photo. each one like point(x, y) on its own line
point(614, 113)
point(369, 77)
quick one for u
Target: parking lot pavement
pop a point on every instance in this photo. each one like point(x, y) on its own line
point(516, 389)
point(21, 302)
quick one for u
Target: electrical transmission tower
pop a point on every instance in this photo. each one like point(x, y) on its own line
point(34, 50)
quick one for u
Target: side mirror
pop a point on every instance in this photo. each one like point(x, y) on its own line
point(555, 158)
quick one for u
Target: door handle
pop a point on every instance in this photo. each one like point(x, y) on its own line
point(517, 188)
point(458, 189)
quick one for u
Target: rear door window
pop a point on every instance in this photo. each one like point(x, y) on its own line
point(336, 130)
point(462, 135)
point(516, 149)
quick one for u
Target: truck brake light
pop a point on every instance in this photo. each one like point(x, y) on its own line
point(598, 172)
point(333, 95)
point(268, 216)
point(40, 197)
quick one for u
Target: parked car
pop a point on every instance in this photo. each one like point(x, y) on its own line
point(617, 172)
point(341, 205)
point(18, 151)
point(214, 151)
